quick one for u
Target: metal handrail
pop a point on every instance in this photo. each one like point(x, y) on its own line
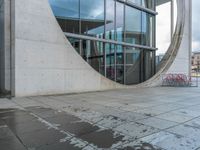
point(84, 37)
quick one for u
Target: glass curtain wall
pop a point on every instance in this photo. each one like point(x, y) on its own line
point(112, 20)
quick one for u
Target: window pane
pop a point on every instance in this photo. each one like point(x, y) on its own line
point(132, 66)
point(119, 22)
point(92, 9)
point(138, 2)
point(148, 4)
point(110, 60)
point(148, 64)
point(92, 17)
point(133, 25)
point(60, 8)
point(148, 30)
point(110, 17)
point(95, 54)
point(68, 17)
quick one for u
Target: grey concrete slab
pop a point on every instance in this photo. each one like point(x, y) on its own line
point(157, 123)
point(102, 138)
point(110, 122)
point(151, 111)
point(120, 119)
point(170, 141)
point(5, 133)
point(135, 130)
point(175, 117)
point(138, 145)
point(37, 139)
point(11, 144)
point(194, 123)
point(187, 112)
point(59, 146)
point(6, 103)
point(186, 131)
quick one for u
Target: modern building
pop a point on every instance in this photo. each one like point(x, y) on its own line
point(67, 46)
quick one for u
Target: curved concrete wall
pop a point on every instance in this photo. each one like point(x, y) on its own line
point(45, 62)
point(178, 57)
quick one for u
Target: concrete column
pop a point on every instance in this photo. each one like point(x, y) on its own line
point(5, 46)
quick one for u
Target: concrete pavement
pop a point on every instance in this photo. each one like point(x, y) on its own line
point(131, 119)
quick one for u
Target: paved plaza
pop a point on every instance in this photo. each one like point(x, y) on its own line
point(161, 118)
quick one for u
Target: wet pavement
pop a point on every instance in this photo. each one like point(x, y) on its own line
point(131, 119)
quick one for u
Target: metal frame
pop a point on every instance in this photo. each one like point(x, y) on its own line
point(77, 36)
point(150, 11)
point(114, 41)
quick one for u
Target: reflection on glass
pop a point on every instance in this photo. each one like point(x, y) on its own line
point(133, 66)
point(133, 25)
point(69, 25)
point(68, 17)
point(92, 17)
point(149, 4)
point(148, 29)
point(138, 2)
point(110, 60)
point(92, 52)
point(60, 8)
point(92, 9)
point(111, 20)
point(119, 22)
point(148, 64)
point(75, 43)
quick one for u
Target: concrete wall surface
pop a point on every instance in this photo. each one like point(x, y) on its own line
point(45, 62)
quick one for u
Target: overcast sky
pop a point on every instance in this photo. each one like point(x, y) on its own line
point(196, 25)
point(163, 28)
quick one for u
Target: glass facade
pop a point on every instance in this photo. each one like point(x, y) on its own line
point(117, 38)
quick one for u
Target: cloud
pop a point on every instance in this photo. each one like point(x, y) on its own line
point(163, 27)
point(195, 26)
point(195, 45)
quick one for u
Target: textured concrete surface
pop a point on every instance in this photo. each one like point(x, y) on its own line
point(45, 61)
point(140, 119)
